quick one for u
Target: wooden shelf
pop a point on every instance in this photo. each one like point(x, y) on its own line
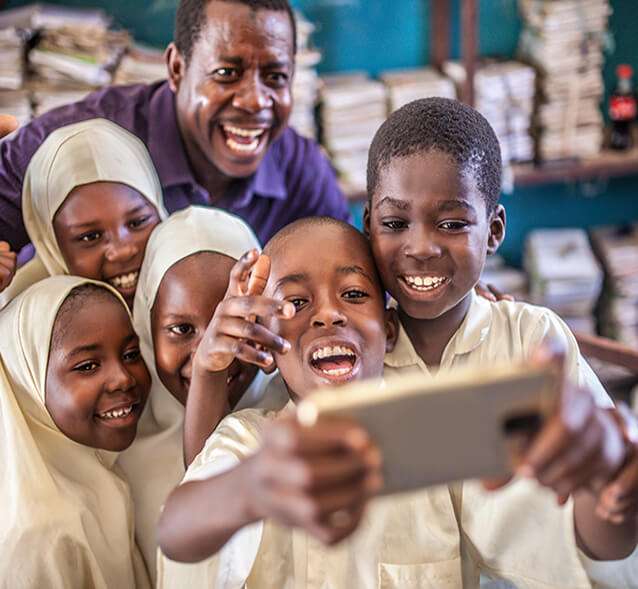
point(609, 164)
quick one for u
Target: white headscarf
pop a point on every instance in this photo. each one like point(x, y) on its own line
point(67, 517)
point(154, 464)
point(96, 150)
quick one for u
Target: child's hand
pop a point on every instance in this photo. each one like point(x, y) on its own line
point(491, 293)
point(233, 333)
point(8, 124)
point(8, 263)
point(316, 478)
point(579, 446)
point(618, 501)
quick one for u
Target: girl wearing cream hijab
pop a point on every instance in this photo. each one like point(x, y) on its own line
point(72, 388)
point(90, 199)
point(184, 276)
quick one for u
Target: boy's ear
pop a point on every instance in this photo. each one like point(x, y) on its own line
point(366, 220)
point(391, 329)
point(175, 66)
point(497, 229)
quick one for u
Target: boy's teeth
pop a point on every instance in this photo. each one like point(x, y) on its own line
point(125, 280)
point(117, 413)
point(337, 371)
point(331, 351)
point(424, 283)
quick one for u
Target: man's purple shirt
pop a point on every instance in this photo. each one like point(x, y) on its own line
point(294, 180)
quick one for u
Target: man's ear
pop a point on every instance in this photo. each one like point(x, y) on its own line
point(175, 65)
point(497, 229)
point(391, 329)
point(366, 220)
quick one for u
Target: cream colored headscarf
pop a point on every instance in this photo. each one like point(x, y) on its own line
point(154, 464)
point(96, 150)
point(67, 517)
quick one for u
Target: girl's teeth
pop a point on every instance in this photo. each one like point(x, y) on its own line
point(125, 280)
point(117, 413)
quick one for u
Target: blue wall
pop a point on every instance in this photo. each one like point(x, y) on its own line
point(374, 35)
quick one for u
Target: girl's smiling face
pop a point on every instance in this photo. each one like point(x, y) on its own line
point(96, 383)
point(186, 301)
point(102, 229)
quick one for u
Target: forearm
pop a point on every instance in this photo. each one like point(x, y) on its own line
point(206, 406)
point(597, 538)
point(201, 516)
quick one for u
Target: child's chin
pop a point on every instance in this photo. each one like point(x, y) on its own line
point(119, 442)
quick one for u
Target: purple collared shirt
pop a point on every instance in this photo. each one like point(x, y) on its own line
point(294, 180)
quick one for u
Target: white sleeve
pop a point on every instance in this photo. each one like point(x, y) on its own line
point(612, 574)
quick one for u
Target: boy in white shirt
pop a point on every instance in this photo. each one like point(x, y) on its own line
point(265, 496)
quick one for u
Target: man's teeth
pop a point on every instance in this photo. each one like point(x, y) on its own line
point(253, 134)
point(125, 281)
point(424, 283)
point(244, 132)
point(117, 413)
point(332, 351)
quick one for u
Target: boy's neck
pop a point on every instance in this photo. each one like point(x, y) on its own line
point(431, 336)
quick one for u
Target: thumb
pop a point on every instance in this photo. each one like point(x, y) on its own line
point(259, 276)
point(8, 124)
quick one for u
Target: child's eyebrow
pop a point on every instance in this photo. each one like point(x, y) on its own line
point(82, 350)
point(132, 211)
point(354, 269)
point(294, 278)
point(395, 202)
point(452, 204)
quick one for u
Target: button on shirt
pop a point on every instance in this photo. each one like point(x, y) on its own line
point(294, 180)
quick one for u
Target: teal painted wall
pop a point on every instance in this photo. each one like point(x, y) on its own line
point(375, 35)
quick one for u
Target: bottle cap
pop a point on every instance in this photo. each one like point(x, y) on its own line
point(624, 71)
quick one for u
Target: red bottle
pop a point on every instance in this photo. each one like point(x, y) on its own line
point(622, 109)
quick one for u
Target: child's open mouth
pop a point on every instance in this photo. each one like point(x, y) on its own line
point(242, 140)
point(336, 362)
point(121, 416)
point(423, 283)
point(125, 282)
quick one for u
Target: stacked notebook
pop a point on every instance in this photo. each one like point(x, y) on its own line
point(404, 86)
point(564, 275)
point(141, 65)
point(564, 41)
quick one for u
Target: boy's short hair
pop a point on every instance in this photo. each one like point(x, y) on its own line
point(191, 16)
point(277, 243)
point(445, 125)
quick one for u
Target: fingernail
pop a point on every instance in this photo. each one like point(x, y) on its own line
point(287, 310)
point(285, 346)
point(268, 359)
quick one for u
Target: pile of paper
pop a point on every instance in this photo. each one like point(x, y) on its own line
point(12, 54)
point(404, 86)
point(564, 41)
point(504, 95)
point(617, 248)
point(141, 65)
point(564, 274)
point(506, 279)
point(353, 107)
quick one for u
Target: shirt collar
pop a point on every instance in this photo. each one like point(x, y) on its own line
point(471, 333)
point(173, 168)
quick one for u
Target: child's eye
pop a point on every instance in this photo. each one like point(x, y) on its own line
point(181, 329)
point(394, 224)
point(453, 225)
point(298, 302)
point(135, 223)
point(132, 355)
point(355, 294)
point(86, 367)
point(90, 236)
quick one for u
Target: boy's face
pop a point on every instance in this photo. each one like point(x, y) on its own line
point(97, 383)
point(430, 233)
point(187, 298)
point(341, 329)
point(102, 229)
point(233, 97)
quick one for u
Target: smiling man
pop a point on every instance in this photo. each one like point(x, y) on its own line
point(216, 129)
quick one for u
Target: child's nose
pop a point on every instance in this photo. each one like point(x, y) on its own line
point(328, 315)
point(422, 244)
point(121, 250)
point(120, 379)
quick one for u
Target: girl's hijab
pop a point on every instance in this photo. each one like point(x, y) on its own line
point(96, 150)
point(154, 464)
point(67, 515)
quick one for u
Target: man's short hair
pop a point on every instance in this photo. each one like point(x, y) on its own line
point(191, 18)
point(444, 125)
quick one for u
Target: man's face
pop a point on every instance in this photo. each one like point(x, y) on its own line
point(430, 233)
point(234, 95)
point(340, 330)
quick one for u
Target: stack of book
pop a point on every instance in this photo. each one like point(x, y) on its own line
point(353, 107)
point(305, 87)
point(617, 248)
point(506, 279)
point(504, 95)
point(564, 275)
point(12, 58)
point(141, 65)
point(404, 86)
point(564, 41)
